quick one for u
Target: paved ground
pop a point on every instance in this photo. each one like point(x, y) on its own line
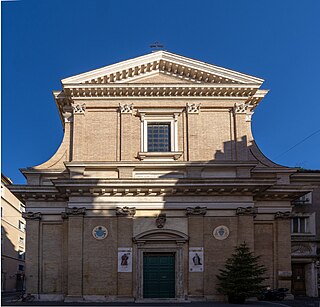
point(7, 300)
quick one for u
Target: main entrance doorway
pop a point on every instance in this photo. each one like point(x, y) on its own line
point(159, 275)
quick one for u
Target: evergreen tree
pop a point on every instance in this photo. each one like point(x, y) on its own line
point(242, 276)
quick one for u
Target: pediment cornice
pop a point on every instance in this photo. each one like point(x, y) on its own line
point(162, 62)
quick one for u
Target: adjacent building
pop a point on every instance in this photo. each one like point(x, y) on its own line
point(157, 179)
point(12, 239)
point(305, 236)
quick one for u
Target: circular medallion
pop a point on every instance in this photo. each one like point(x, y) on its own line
point(221, 232)
point(100, 232)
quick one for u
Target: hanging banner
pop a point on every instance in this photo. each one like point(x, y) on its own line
point(196, 260)
point(124, 259)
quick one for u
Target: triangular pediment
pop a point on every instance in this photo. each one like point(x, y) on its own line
point(162, 67)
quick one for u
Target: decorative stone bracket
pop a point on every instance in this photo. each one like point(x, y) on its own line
point(32, 215)
point(161, 220)
point(246, 211)
point(125, 211)
point(73, 211)
point(196, 210)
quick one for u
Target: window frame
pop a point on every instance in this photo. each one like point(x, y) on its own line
point(158, 120)
point(300, 225)
point(310, 226)
point(159, 115)
point(22, 226)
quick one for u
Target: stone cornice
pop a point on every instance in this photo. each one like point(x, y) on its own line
point(155, 187)
point(260, 189)
point(161, 90)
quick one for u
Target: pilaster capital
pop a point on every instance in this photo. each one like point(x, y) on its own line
point(246, 211)
point(196, 210)
point(126, 108)
point(283, 215)
point(125, 211)
point(79, 108)
point(193, 108)
point(73, 212)
point(241, 107)
point(32, 215)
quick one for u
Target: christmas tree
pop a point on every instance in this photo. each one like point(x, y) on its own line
point(242, 276)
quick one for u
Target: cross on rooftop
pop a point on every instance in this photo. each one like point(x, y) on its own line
point(156, 46)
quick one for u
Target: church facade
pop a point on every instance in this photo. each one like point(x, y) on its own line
point(157, 179)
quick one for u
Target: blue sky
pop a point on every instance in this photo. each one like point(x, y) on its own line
point(46, 41)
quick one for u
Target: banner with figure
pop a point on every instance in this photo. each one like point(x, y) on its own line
point(124, 259)
point(196, 260)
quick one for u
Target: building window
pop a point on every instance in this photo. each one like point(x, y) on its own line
point(20, 254)
point(21, 240)
point(159, 137)
point(21, 226)
point(159, 134)
point(300, 225)
point(22, 208)
point(20, 267)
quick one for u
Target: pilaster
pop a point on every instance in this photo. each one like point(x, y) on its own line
point(33, 252)
point(195, 280)
point(79, 142)
point(283, 243)
point(125, 234)
point(245, 226)
point(75, 253)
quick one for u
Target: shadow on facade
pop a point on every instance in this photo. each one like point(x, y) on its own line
point(12, 279)
point(165, 215)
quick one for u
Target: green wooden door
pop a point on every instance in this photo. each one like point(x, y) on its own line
point(158, 275)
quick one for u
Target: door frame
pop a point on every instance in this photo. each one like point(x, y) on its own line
point(161, 241)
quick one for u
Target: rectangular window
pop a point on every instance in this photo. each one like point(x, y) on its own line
point(300, 225)
point(21, 226)
point(20, 267)
point(159, 137)
point(20, 254)
point(21, 240)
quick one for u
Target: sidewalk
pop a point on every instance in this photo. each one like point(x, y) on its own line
point(7, 298)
